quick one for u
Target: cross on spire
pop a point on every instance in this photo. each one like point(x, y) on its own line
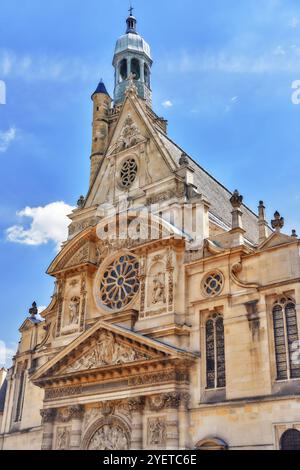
point(131, 9)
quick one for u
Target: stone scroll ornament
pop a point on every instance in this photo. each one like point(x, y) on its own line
point(106, 351)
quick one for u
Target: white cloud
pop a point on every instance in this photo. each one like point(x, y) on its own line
point(294, 22)
point(271, 61)
point(7, 353)
point(41, 309)
point(48, 224)
point(6, 138)
point(43, 67)
point(167, 104)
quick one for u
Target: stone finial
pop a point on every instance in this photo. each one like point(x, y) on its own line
point(236, 200)
point(278, 222)
point(262, 223)
point(184, 159)
point(294, 234)
point(80, 202)
point(33, 311)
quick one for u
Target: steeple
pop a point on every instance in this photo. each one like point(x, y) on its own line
point(132, 58)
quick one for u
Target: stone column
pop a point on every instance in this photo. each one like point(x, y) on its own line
point(48, 417)
point(172, 402)
point(184, 421)
point(76, 413)
point(237, 232)
point(136, 406)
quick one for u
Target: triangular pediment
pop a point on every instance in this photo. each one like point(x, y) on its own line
point(103, 347)
point(276, 239)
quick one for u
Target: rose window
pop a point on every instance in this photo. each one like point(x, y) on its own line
point(128, 173)
point(120, 282)
point(213, 284)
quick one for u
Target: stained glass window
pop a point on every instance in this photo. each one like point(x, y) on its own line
point(215, 352)
point(120, 282)
point(286, 339)
point(213, 284)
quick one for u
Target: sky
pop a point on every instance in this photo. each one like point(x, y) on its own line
point(223, 76)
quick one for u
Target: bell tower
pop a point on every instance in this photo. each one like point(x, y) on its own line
point(132, 60)
point(101, 106)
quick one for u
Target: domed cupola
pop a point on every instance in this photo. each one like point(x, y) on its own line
point(132, 58)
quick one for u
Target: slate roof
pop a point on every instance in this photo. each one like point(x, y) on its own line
point(101, 88)
point(217, 195)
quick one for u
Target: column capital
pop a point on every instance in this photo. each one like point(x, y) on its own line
point(48, 415)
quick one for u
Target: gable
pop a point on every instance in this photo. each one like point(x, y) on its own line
point(135, 137)
point(276, 239)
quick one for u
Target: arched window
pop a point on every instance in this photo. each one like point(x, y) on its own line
point(135, 69)
point(123, 70)
point(290, 440)
point(147, 75)
point(286, 339)
point(215, 352)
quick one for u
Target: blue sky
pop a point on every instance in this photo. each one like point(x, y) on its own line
point(222, 76)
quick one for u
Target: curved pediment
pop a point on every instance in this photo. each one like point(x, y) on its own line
point(76, 252)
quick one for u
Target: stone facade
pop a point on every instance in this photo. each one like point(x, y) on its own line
point(185, 339)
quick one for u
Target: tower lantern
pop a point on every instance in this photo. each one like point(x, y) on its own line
point(132, 58)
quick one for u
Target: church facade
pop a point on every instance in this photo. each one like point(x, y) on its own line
point(175, 318)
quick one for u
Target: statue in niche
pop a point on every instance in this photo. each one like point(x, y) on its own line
point(74, 310)
point(157, 432)
point(62, 438)
point(158, 291)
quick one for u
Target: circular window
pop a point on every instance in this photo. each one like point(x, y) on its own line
point(128, 173)
point(120, 282)
point(213, 284)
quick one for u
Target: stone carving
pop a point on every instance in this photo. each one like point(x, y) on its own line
point(53, 393)
point(48, 415)
point(109, 437)
point(236, 200)
point(107, 351)
point(79, 226)
point(277, 222)
point(159, 377)
point(158, 290)
point(72, 412)
point(81, 202)
point(136, 404)
point(62, 438)
point(74, 310)
point(167, 400)
point(83, 292)
point(82, 256)
point(130, 135)
point(157, 432)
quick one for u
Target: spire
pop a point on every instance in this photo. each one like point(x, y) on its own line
point(262, 223)
point(101, 88)
point(131, 22)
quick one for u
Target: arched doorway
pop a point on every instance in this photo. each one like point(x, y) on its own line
point(290, 440)
point(211, 443)
point(110, 433)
